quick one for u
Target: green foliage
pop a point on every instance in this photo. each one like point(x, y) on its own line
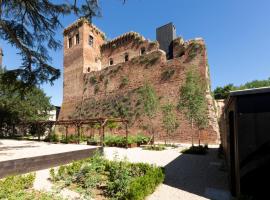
point(20, 188)
point(116, 179)
point(223, 92)
point(167, 74)
point(192, 99)
point(31, 29)
point(96, 89)
point(141, 139)
point(199, 150)
point(124, 82)
point(194, 49)
point(149, 99)
point(142, 186)
point(169, 119)
point(21, 105)
point(52, 138)
point(155, 147)
point(93, 80)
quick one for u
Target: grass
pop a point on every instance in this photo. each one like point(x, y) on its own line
point(112, 179)
point(198, 150)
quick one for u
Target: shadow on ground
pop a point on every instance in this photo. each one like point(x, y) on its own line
point(202, 175)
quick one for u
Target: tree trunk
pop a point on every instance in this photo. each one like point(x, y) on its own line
point(192, 132)
point(199, 137)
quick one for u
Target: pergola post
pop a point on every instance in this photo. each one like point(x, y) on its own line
point(79, 135)
point(126, 124)
point(66, 133)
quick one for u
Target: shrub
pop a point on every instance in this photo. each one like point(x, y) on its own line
point(93, 80)
point(167, 74)
point(142, 186)
point(120, 180)
point(124, 82)
point(96, 89)
point(199, 150)
point(52, 138)
point(140, 139)
point(20, 187)
point(155, 147)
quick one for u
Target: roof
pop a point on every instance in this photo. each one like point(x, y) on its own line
point(250, 91)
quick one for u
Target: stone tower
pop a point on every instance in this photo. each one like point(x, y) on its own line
point(82, 41)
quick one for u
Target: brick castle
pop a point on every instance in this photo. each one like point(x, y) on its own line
point(102, 78)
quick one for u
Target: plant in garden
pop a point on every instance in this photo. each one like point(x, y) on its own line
point(192, 101)
point(150, 103)
point(169, 119)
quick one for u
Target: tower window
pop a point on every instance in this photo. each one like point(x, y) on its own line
point(142, 50)
point(111, 61)
point(126, 57)
point(88, 69)
point(70, 42)
point(77, 38)
point(91, 40)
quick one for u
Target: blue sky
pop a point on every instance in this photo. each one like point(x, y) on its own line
point(237, 34)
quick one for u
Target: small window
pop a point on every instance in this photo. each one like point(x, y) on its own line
point(77, 38)
point(126, 57)
point(142, 50)
point(91, 40)
point(111, 61)
point(70, 42)
point(88, 69)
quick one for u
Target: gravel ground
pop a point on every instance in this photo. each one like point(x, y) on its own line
point(187, 177)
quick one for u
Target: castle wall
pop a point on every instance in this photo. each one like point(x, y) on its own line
point(149, 68)
point(106, 91)
point(126, 46)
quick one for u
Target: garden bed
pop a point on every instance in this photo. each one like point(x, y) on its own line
point(21, 187)
point(106, 179)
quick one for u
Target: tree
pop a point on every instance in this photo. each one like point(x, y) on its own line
point(30, 26)
point(193, 100)
point(15, 108)
point(169, 120)
point(223, 92)
point(150, 103)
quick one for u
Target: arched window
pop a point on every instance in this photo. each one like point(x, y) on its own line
point(91, 40)
point(126, 57)
point(111, 61)
point(142, 50)
point(70, 42)
point(88, 69)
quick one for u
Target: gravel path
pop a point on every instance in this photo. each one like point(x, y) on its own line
point(187, 177)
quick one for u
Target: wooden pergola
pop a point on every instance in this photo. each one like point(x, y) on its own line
point(78, 123)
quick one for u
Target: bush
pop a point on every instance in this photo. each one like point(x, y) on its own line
point(117, 180)
point(20, 187)
point(141, 139)
point(199, 150)
point(142, 186)
point(52, 138)
point(155, 147)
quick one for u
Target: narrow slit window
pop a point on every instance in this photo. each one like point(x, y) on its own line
point(142, 50)
point(88, 69)
point(126, 57)
point(91, 40)
point(111, 61)
point(77, 38)
point(70, 43)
